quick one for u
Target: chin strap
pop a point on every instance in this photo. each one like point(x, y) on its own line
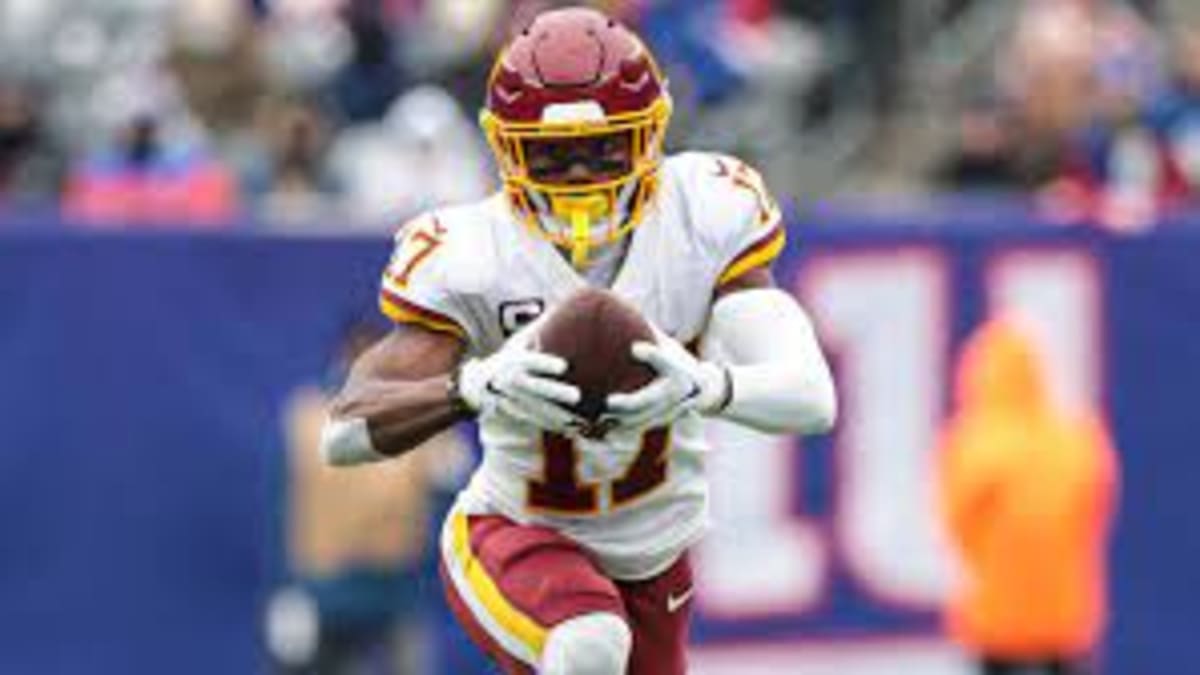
point(581, 238)
point(580, 212)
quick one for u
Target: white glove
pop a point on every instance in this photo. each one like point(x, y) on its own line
point(684, 383)
point(513, 382)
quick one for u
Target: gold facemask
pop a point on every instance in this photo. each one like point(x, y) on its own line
point(622, 200)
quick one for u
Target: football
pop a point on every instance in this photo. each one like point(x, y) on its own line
point(593, 330)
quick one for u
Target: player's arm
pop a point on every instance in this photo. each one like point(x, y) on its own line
point(415, 383)
point(773, 376)
point(776, 377)
point(398, 394)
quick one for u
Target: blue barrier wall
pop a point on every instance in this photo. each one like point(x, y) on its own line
point(140, 380)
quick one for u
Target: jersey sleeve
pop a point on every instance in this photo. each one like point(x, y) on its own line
point(416, 286)
point(747, 228)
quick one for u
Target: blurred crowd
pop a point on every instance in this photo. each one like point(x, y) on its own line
point(339, 114)
point(1094, 108)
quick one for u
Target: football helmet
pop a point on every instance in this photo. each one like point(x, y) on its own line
point(577, 88)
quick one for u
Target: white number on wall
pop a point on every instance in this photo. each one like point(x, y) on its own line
point(883, 316)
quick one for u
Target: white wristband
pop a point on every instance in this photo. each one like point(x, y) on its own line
point(346, 442)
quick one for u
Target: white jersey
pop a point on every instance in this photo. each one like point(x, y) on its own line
point(634, 501)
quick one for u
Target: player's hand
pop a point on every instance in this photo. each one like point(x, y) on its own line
point(684, 384)
point(518, 383)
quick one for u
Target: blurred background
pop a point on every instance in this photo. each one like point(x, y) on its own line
point(197, 197)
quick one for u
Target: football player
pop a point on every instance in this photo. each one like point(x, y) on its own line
point(567, 554)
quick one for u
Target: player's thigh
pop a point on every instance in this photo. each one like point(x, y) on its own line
point(659, 613)
point(508, 584)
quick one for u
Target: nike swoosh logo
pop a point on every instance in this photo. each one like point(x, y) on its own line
point(674, 602)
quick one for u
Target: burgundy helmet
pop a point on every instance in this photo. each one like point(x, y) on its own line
point(576, 73)
point(572, 55)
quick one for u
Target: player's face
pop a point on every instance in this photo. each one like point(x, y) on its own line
point(579, 160)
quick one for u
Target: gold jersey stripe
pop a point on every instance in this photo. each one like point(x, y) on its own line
point(757, 254)
point(402, 311)
point(521, 627)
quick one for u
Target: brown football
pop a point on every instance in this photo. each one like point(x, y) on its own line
point(593, 330)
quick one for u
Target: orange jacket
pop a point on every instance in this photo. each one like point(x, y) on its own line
point(1027, 493)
